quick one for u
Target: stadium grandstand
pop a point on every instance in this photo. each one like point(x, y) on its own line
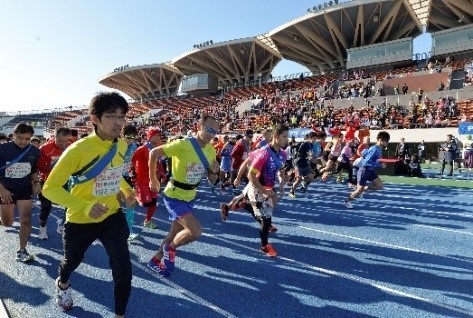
point(360, 60)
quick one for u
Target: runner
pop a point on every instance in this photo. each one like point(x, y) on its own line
point(50, 153)
point(94, 166)
point(366, 169)
point(192, 158)
point(18, 183)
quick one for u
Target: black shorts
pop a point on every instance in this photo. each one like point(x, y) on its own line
point(19, 194)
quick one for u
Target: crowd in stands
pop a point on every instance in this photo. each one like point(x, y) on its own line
point(302, 102)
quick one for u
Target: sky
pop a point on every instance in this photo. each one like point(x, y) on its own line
point(53, 52)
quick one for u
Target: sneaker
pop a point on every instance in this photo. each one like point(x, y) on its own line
point(273, 229)
point(158, 268)
point(348, 204)
point(169, 257)
point(63, 297)
point(150, 224)
point(133, 237)
point(43, 235)
point(224, 211)
point(24, 257)
point(292, 194)
point(269, 250)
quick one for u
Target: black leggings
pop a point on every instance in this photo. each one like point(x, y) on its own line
point(113, 233)
point(265, 224)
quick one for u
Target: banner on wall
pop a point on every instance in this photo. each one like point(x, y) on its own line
point(299, 132)
point(465, 128)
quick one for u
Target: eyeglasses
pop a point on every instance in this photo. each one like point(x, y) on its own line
point(115, 117)
point(130, 137)
point(210, 130)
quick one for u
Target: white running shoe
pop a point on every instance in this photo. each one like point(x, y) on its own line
point(348, 204)
point(64, 297)
point(43, 234)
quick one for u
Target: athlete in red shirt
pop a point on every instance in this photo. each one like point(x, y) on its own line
point(49, 154)
point(139, 164)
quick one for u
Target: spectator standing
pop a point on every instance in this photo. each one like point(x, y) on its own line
point(422, 148)
point(449, 154)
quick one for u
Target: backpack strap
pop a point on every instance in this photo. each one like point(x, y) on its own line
point(20, 156)
point(199, 152)
point(96, 169)
point(275, 157)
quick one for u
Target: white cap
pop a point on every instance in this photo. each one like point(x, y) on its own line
point(189, 133)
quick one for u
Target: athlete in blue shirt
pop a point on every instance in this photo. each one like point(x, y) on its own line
point(366, 172)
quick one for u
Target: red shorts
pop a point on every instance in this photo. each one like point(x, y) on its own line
point(143, 193)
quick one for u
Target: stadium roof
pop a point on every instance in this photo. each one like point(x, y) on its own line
point(144, 81)
point(231, 61)
point(447, 14)
point(318, 40)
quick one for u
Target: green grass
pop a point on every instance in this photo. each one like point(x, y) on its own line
point(428, 182)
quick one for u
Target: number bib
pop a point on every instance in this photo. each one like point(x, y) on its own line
point(108, 182)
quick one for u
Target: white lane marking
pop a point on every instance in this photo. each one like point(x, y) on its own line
point(186, 293)
point(384, 244)
point(358, 279)
point(443, 229)
point(377, 285)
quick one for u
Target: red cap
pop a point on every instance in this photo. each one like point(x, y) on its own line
point(152, 131)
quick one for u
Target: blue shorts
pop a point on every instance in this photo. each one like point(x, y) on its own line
point(364, 175)
point(177, 208)
point(225, 165)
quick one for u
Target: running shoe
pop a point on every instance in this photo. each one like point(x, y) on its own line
point(64, 299)
point(348, 204)
point(159, 268)
point(292, 194)
point(43, 234)
point(23, 256)
point(133, 237)
point(273, 229)
point(169, 257)
point(150, 224)
point(224, 211)
point(269, 250)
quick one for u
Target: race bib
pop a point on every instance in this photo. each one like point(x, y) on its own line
point(194, 173)
point(18, 170)
point(108, 182)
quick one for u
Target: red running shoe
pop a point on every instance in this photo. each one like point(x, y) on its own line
point(269, 250)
